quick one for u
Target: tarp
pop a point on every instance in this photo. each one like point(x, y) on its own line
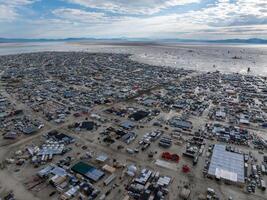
point(227, 162)
point(224, 174)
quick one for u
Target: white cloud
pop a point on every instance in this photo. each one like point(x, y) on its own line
point(132, 7)
point(9, 8)
point(16, 2)
point(222, 19)
point(77, 15)
point(226, 13)
point(79, 23)
point(214, 21)
point(101, 24)
point(6, 13)
point(223, 13)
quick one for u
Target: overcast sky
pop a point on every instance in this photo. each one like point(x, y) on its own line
point(191, 19)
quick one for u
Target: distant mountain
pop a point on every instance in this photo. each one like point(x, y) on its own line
point(248, 41)
point(18, 40)
point(227, 41)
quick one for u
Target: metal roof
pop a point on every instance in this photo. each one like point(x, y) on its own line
point(227, 165)
point(88, 171)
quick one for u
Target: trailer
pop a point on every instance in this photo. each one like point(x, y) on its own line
point(111, 178)
point(263, 169)
point(263, 185)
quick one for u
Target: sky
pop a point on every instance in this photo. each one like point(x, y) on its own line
point(155, 19)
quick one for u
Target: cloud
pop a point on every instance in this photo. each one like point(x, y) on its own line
point(139, 18)
point(77, 15)
point(9, 8)
point(144, 7)
point(7, 14)
point(220, 14)
point(99, 24)
point(80, 23)
point(231, 13)
point(17, 2)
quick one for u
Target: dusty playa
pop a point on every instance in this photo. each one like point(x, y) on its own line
point(200, 57)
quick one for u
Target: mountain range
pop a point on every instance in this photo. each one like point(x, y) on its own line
point(226, 41)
